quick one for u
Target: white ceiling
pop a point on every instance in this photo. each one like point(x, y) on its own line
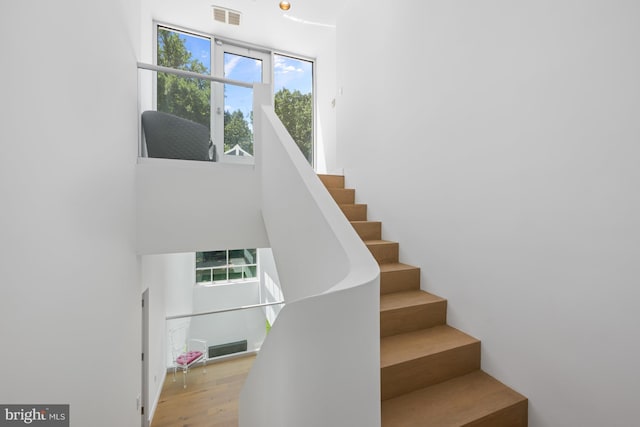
point(262, 21)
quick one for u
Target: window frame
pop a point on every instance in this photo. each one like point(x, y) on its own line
point(249, 47)
point(228, 266)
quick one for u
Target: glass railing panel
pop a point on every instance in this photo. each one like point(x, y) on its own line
point(175, 114)
point(184, 117)
point(224, 333)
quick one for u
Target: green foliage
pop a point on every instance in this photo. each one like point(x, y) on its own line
point(236, 131)
point(295, 110)
point(188, 98)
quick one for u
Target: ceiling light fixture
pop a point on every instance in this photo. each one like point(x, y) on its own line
point(285, 5)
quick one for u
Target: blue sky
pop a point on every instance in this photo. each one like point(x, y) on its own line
point(291, 73)
point(199, 48)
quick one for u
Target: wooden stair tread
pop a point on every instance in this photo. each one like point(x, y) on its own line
point(384, 251)
point(398, 277)
point(378, 242)
point(397, 266)
point(354, 211)
point(397, 300)
point(410, 310)
point(430, 372)
point(472, 399)
point(368, 230)
point(343, 195)
point(332, 181)
point(396, 349)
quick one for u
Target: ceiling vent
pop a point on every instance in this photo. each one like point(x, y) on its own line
point(226, 16)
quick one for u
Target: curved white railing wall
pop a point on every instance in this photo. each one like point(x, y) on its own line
point(320, 364)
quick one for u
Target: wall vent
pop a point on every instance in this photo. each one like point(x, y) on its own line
point(234, 18)
point(228, 348)
point(226, 16)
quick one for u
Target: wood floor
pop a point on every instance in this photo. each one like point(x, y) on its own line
point(210, 399)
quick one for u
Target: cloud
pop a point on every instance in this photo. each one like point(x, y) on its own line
point(229, 66)
point(281, 66)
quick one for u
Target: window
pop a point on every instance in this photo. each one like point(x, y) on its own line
point(227, 266)
point(188, 98)
point(226, 109)
point(244, 65)
point(293, 99)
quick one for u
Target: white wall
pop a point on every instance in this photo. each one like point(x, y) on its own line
point(70, 298)
point(197, 206)
point(222, 328)
point(179, 277)
point(170, 279)
point(270, 289)
point(325, 75)
point(498, 142)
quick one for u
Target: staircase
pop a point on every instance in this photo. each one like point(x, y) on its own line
point(430, 372)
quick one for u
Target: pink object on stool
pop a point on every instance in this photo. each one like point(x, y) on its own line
point(188, 357)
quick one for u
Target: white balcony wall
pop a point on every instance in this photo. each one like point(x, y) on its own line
point(70, 292)
point(498, 141)
point(186, 206)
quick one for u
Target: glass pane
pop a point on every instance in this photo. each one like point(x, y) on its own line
point(235, 273)
point(242, 256)
point(293, 101)
point(251, 256)
point(219, 274)
point(184, 97)
point(211, 259)
point(203, 276)
point(250, 271)
point(238, 104)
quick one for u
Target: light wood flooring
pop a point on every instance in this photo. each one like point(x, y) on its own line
point(210, 399)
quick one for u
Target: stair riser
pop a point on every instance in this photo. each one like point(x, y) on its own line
point(409, 319)
point(332, 181)
point(385, 253)
point(399, 281)
point(368, 230)
point(343, 195)
point(355, 212)
point(433, 369)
